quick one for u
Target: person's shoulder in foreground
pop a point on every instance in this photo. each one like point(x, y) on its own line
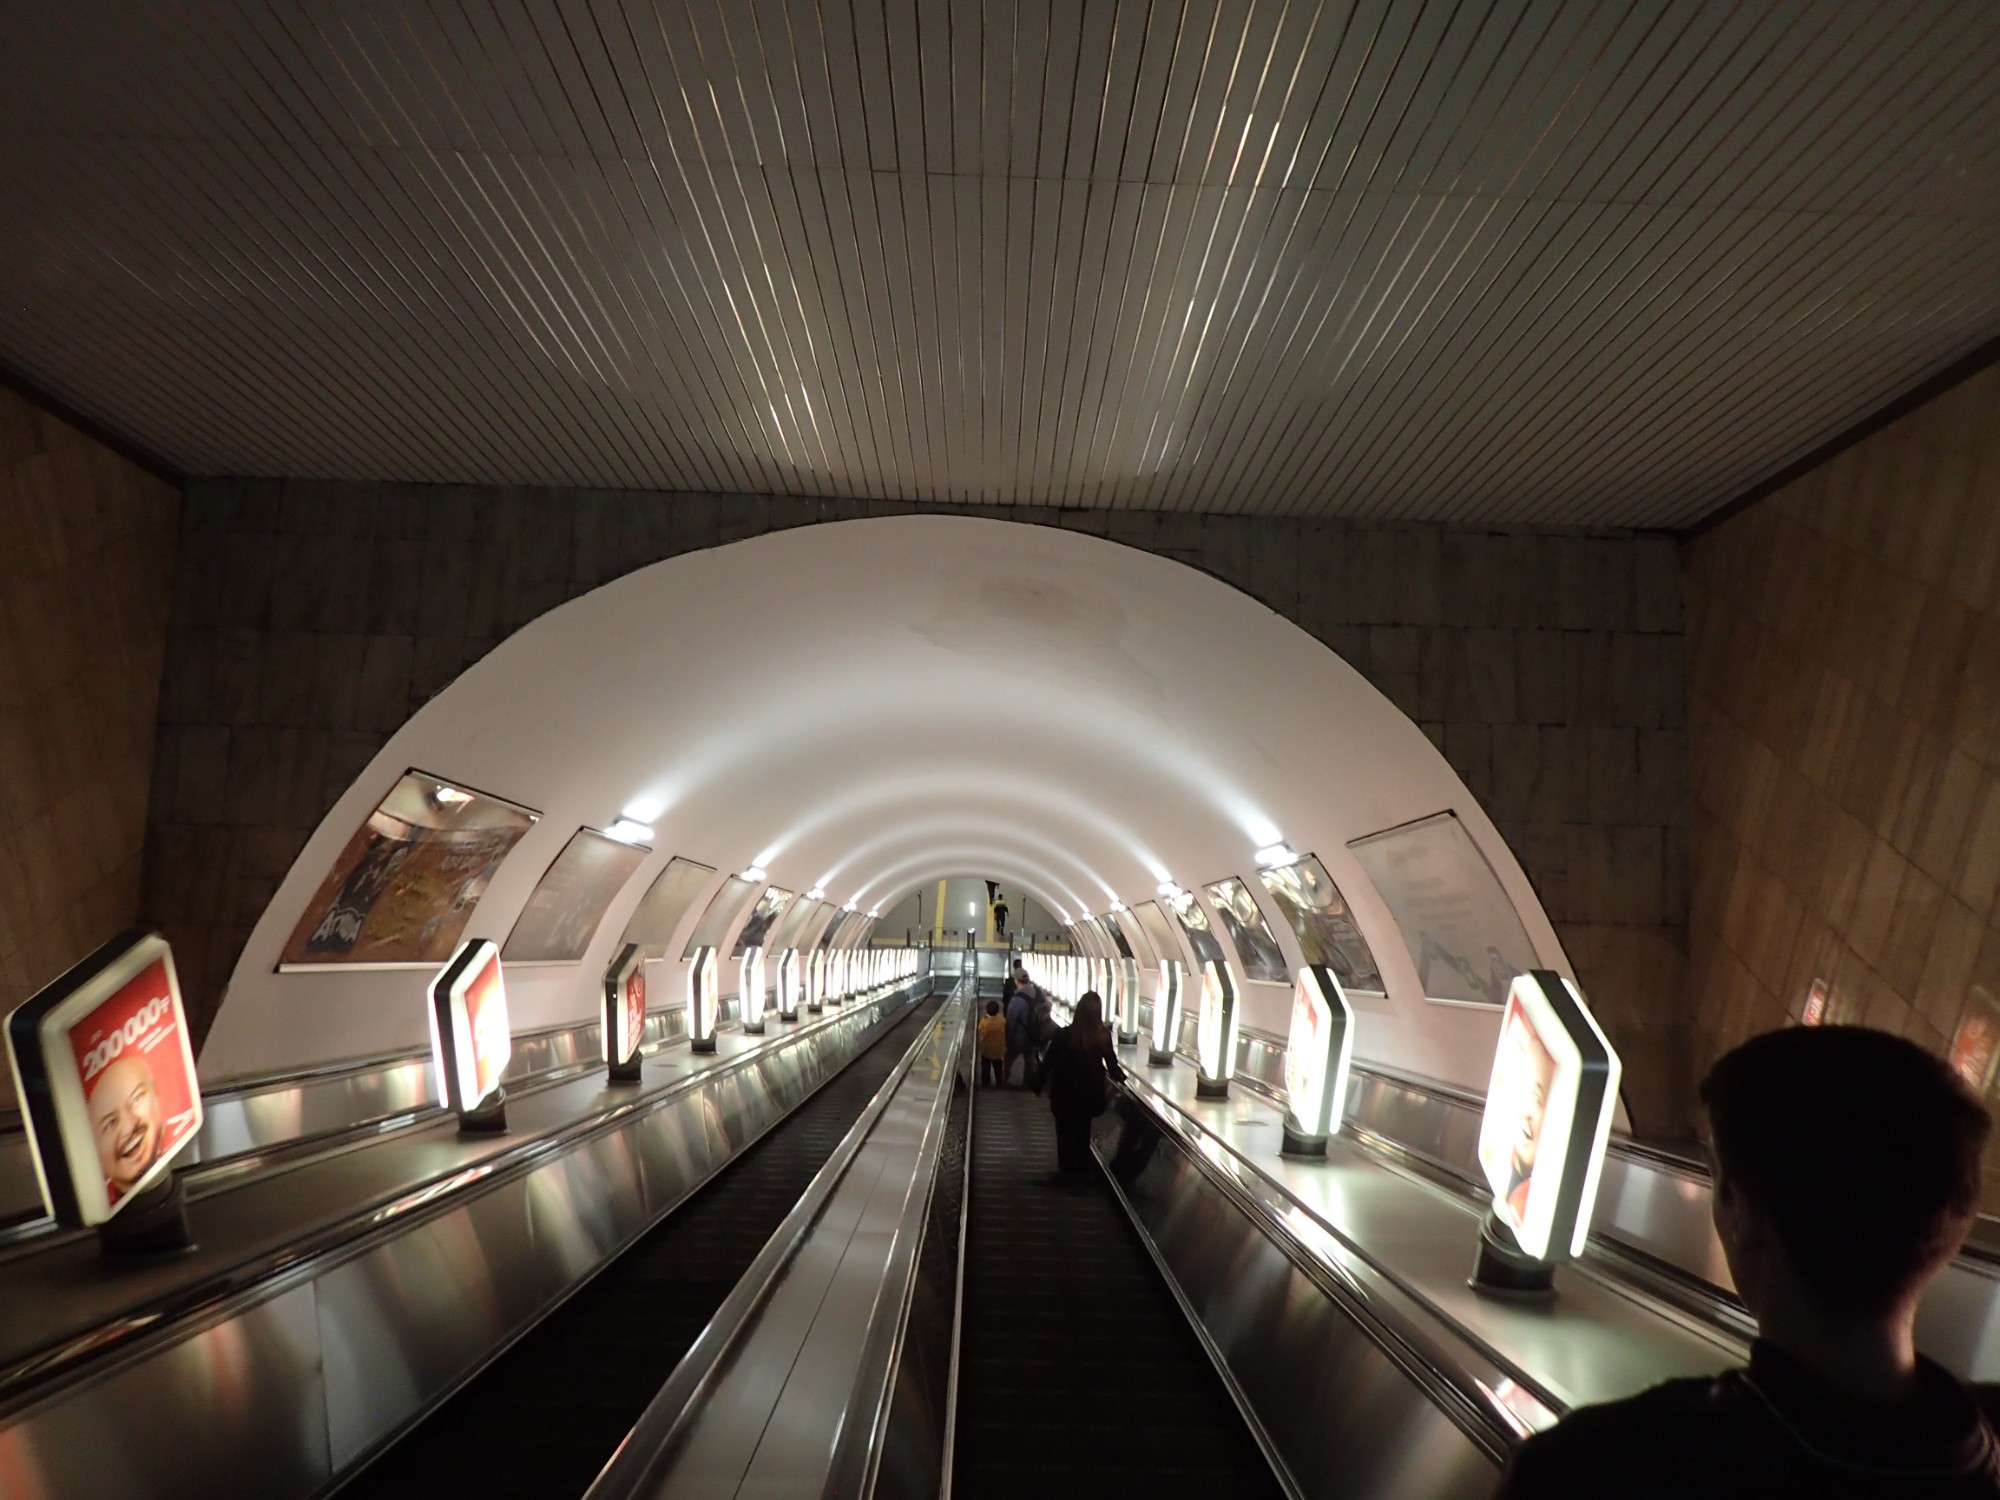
point(1832, 1233)
point(1768, 1431)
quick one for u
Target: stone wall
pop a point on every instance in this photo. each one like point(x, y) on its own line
point(311, 619)
point(1844, 692)
point(86, 573)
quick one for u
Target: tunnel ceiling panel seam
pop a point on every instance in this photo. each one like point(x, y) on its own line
point(1562, 264)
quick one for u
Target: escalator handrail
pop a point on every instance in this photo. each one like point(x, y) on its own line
point(1416, 1350)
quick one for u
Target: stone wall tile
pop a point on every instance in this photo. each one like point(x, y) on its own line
point(696, 521)
point(441, 597)
point(1467, 562)
point(1490, 662)
point(395, 569)
point(1539, 676)
point(746, 516)
point(491, 585)
point(386, 683)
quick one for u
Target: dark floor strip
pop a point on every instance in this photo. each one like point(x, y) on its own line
point(1079, 1375)
point(542, 1419)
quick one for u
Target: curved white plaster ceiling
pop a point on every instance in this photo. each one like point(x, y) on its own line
point(871, 705)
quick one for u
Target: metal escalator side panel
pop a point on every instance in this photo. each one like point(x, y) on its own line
point(1333, 1408)
point(305, 1372)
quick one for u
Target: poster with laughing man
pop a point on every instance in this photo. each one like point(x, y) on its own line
point(106, 1074)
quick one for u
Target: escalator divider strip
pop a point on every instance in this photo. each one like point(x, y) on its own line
point(964, 1228)
point(666, 1417)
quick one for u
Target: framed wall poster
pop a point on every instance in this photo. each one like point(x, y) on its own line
point(657, 917)
point(403, 888)
point(1159, 931)
point(1194, 922)
point(724, 907)
point(1463, 933)
point(570, 899)
point(1136, 940)
point(1323, 922)
point(1237, 910)
point(770, 906)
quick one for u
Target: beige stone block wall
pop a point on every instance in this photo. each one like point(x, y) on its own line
point(1844, 739)
point(86, 582)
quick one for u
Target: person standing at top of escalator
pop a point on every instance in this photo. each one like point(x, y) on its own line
point(1847, 1173)
point(1078, 1072)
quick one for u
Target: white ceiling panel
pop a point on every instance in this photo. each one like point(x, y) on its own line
point(1534, 263)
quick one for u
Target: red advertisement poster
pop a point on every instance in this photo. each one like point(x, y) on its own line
point(105, 1074)
point(139, 1087)
point(634, 1014)
point(1975, 1042)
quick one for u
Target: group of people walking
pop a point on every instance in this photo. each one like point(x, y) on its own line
point(1076, 1064)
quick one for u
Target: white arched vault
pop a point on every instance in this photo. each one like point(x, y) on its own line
point(868, 705)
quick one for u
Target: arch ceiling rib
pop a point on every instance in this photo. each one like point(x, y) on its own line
point(1562, 263)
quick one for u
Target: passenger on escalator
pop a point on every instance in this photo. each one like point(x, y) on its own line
point(992, 1045)
point(1078, 1073)
point(1021, 1026)
point(1847, 1172)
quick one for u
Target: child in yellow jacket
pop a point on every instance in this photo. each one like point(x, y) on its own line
point(992, 1044)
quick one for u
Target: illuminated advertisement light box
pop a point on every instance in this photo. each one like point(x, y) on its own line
point(1215, 1031)
point(702, 1001)
point(624, 1017)
point(1318, 1055)
point(750, 991)
point(470, 1038)
point(788, 984)
point(1166, 1034)
point(815, 975)
point(105, 1075)
point(1548, 1115)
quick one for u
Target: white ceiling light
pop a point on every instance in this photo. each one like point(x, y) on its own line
point(1275, 854)
point(1118, 906)
point(817, 893)
point(629, 831)
point(1169, 889)
point(755, 874)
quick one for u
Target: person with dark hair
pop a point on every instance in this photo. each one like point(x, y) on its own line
point(1847, 1170)
point(1078, 1070)
point(1020, 1014)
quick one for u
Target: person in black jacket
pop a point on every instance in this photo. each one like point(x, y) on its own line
point(1847, 1172)
point(1078, 1073)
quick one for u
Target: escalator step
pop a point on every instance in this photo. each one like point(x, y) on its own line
point(1079, 1375)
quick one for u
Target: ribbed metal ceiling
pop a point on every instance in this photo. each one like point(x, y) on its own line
point(1533, 263)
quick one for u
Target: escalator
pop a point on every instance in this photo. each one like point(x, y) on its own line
point(543, 1417)
point(1079, 1375)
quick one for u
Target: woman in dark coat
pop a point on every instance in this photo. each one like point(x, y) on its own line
point(1077, 1071)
